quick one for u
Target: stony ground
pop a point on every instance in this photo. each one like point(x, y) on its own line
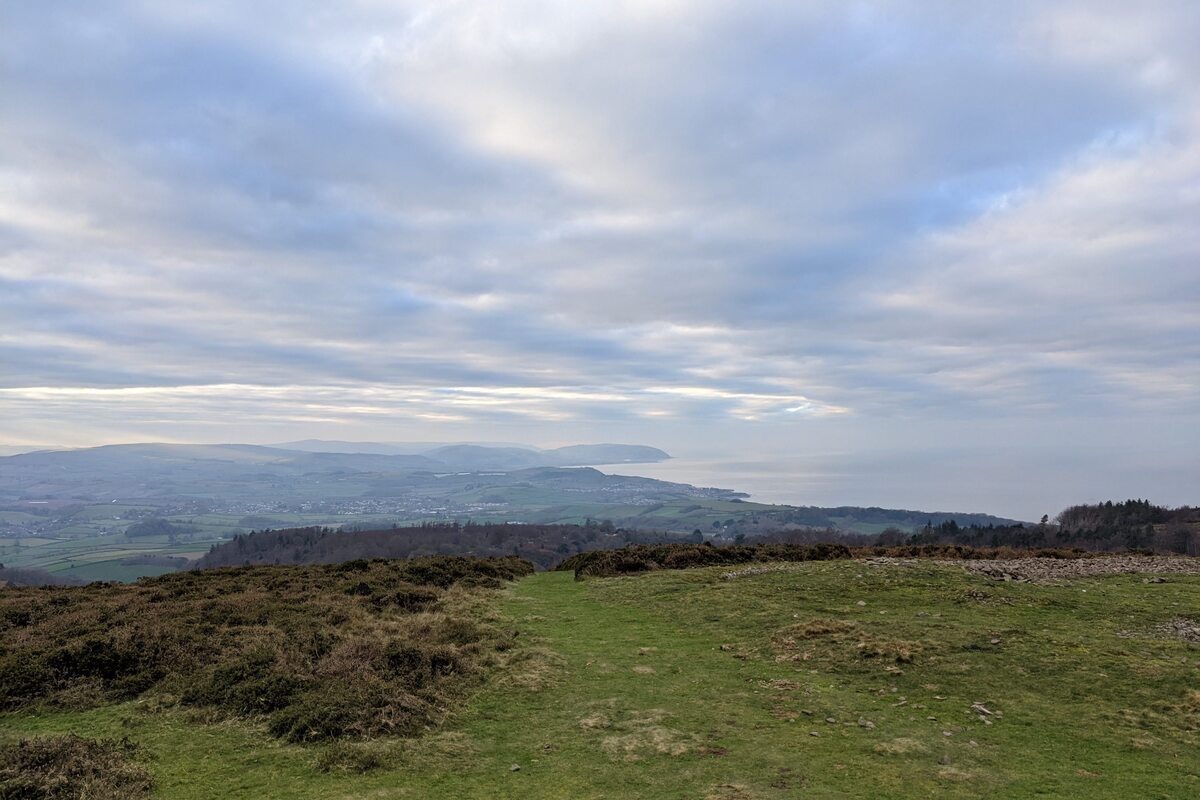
point(1051, 570)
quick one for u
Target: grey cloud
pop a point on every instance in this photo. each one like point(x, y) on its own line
point(898, 209)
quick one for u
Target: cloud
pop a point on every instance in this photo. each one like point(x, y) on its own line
point(500, 214)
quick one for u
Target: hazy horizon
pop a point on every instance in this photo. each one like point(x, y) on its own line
point(834, 479)
point(923, 255)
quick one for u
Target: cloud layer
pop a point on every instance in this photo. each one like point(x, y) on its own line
point(658, 220)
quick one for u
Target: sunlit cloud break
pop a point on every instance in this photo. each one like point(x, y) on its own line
point(447, 403)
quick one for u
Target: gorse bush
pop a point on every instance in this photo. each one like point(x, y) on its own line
point(361, 649)
point(645, 558)
point(72, 768)
point(961, 551)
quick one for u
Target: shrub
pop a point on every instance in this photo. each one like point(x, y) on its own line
point(360, 757)
point(409, 598)
point(249, 685)
point(286, 643)
point(359, 710)
point(643, 558)
point(72, 768)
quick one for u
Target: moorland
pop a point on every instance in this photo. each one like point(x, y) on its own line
point(676, 672)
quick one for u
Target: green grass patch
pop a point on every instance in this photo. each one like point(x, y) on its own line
point(816, 679)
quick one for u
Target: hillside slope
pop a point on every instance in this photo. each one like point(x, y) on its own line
point(826, 679)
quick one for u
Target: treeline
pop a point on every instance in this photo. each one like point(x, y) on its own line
point(1103, 527)
point(815, 517)
point(14, 576)
point(543, 545)
point(158, 527)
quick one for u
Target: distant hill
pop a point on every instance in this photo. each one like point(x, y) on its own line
point(154, 470)
point(16, 449)
point(140, 471)
point(207, 491)
point(593, 454)
point(380, 448)
point(492, 455)
point(475, 457)
point(12, 576)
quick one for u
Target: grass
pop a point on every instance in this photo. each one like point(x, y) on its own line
point(686, 684)
point(115, 571)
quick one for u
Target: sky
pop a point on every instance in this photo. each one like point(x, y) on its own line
point(932, 254)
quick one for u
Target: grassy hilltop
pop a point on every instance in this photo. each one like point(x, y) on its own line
point(841, 678)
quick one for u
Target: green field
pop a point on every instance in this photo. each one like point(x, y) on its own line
point(829, 679)
point(98, 557)
point(92, 546)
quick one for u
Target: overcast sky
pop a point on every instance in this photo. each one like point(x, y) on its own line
point(934, 254)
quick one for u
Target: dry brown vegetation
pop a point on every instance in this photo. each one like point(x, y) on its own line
point(835, 640)
point(72, 768)
point(356, 649)
point(647, 558)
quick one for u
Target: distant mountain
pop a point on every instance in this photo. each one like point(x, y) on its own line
point(474, 457)
point(17, 449)
point(383, 448)
point(140, 471)
point(376, 448)
point(132, 471)
point(592, 454)
point(492, 455)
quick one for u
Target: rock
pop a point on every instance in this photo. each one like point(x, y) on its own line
point(830, 720)
point(813, 733)
point(866, 723)
point(944, 760)
point(1051, 570)
point(515, 768)
point(861, 603)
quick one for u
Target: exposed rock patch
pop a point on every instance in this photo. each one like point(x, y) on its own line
point(1051, 570)
point(1178, 628)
